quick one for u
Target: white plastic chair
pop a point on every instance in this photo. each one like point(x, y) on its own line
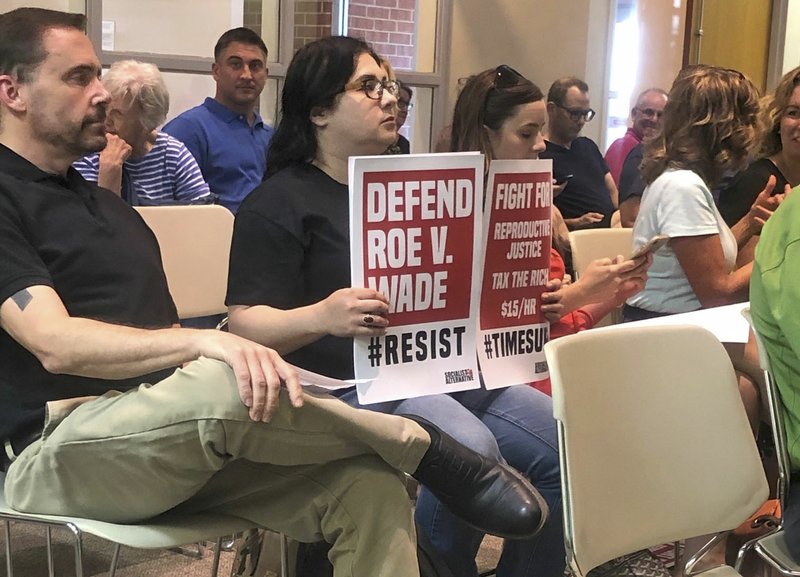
point(591, 244)
point(195, 245)
point(772, 547)
point(655, 444)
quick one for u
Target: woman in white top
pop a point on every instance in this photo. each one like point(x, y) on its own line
point(710, 128)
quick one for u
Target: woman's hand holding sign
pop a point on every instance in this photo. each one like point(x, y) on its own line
point(351, 312)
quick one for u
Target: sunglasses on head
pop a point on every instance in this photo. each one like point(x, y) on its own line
point(506, 77)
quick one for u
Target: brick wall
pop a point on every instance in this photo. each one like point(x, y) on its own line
point(312, 20)
point(252, 15)
point(388, 25)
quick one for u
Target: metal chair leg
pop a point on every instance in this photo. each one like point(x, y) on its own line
point(229, 543)
point(217, 553)
point(51, 568)
point(187, 550)
point(78, 536)
point(112, 571)
point(9, 564)
point(284, 556)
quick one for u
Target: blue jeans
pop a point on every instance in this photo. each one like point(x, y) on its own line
point(515, 424)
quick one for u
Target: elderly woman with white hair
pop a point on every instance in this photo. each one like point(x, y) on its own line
point(141, 164)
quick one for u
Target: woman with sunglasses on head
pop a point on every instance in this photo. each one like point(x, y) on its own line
point(710, 129)
point(289, 285)
point(502, 114)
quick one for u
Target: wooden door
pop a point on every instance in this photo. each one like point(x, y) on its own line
point(730, 33)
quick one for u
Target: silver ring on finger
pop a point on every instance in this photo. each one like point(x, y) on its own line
point(368, 320)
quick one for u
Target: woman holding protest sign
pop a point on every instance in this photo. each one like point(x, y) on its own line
point(289, 286)
point(501, 113)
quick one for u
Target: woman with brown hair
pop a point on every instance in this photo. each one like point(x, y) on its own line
point(501, 114)
point(710, 129)
point(779, 154)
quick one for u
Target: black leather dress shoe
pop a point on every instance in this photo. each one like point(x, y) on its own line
point(490, 496)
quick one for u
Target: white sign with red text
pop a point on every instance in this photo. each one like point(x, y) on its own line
point(415, 232)
point(512, 330)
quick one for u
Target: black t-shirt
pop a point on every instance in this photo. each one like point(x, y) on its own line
point(736, 199)
point(630, 179)
point(95, 252)
point(291, 248)
point(403, 144)
point(586, 191)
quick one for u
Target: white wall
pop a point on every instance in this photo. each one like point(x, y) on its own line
point(791, 49)
point(542, 39)
point(181, 27)
point(187, 91)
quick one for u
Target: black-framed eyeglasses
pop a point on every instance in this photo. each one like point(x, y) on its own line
point(576, 114)
point(373, 88)
point(649, 112)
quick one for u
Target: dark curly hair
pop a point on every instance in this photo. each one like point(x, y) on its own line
point(710, 125)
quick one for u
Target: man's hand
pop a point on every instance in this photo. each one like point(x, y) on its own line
point(112, 158)
point(260, 371)
point(584, 220)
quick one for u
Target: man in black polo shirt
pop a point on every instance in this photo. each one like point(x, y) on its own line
point(87, 321)
point(589, 197)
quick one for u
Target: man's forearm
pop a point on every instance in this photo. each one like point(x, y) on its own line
point(88, 348)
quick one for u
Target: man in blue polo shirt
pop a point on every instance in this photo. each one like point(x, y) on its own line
point(225, 134)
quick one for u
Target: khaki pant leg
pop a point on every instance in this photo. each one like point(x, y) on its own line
point(127, 457)
point(359, 505)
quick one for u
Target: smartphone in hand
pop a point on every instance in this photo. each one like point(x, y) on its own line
point(563, 179)
point(650, 246)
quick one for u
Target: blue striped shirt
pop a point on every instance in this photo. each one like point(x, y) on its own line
point(168, 174)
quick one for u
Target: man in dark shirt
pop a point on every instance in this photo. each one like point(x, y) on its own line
point(631, 186)
point(95, 419)
point(589, 197)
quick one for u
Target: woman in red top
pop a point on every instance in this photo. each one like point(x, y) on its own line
point(502, 114)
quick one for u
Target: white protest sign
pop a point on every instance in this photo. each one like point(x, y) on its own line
point(512, 330)
point(415, 231)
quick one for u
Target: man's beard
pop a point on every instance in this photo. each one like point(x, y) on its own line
point(78, 141)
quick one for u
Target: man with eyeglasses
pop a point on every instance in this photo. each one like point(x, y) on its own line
point(589, 195)
point(225, 134)
point(645, 123)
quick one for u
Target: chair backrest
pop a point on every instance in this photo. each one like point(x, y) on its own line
point(588, 245)
point(775, 414)
point(654, 441)
point(195, 245)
